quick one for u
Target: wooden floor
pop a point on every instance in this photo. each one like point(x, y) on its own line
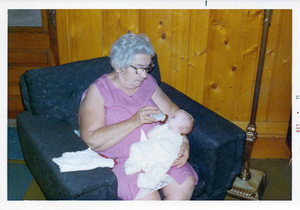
point(270, 148)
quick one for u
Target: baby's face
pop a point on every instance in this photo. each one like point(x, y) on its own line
point(177, 121)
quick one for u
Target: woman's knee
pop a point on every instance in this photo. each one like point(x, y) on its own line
point(189, 185)
point(191, 182)
point(151, 196)
point(180, 192)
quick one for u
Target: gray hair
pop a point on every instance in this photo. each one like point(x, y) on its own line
point(126, 47)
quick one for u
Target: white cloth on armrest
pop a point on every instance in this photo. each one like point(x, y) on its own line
point(81, 161)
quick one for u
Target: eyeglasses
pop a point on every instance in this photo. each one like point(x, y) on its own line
point(139, 70)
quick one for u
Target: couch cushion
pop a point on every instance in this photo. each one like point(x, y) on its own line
point(56, 91)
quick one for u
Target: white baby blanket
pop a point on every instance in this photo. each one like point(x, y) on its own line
point(81, 161)
point(154, 156)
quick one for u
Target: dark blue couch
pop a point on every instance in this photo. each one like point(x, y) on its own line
point(51, 98)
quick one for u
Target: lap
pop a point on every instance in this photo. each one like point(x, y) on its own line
point(127, 184)
point(174, 191)
point(182, 191)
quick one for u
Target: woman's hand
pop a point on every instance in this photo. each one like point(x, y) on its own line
point(142, 116)
point(183, 155)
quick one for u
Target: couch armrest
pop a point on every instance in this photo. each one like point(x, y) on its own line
point(45, 138)
point(216, 144)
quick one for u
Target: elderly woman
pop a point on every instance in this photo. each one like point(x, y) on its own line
point(117, 106)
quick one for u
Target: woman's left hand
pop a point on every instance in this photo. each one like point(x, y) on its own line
point(183, 155)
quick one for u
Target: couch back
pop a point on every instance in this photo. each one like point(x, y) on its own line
point(56, 91)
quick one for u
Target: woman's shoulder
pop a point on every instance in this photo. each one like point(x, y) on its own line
point(103, 83)
point(104, 86)
point(101, 79)
point(101, 87)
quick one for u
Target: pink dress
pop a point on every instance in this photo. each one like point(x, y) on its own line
point(119, 107)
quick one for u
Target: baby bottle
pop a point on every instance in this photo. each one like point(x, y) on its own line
point(160, 117)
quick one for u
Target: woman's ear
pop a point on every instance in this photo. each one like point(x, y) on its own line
point(116, 68)
point(115, 64)
point(119, 71)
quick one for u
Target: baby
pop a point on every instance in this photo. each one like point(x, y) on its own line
point(156, 155)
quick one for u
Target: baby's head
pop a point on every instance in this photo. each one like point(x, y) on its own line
point(181, 122)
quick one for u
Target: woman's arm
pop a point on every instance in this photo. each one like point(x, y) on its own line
point(183, 154)
point(165, 104)
point(92, 122)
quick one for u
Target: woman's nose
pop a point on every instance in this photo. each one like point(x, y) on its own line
point(144, 74)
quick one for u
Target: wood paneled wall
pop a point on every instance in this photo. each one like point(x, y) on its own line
point(28, 48)
point(210, 55)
